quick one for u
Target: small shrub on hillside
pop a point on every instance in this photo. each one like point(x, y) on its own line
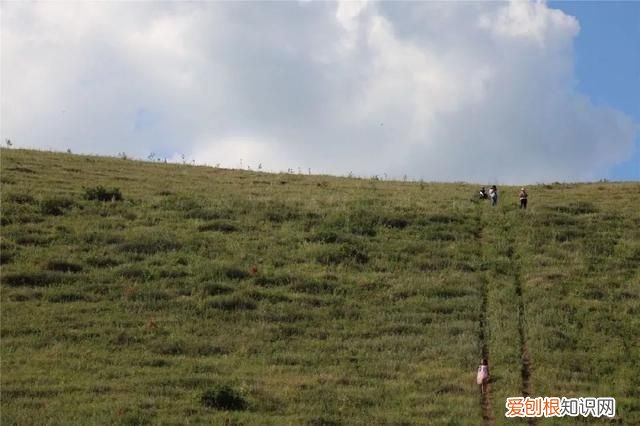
point(363, 222)
point(177, 346)
point(171, 347)
point(32, 239)
point(22, 169)
point(311, 219)
point(178, 203)
point(134, 272)
point(124, 339)
point(149, 244)
point(151, 298)
point(224, 227)
point(279, 212)
point(345, 253)
point(55, 206)
point(236, 274)
point(557, 340)
point(441, 218)
point(233, 302)
point(172, 272)
point(321, 421)
point(102, 262)
point(214, 289)
point(449, 293)
point(20, 198)
point(269, 296)
point(63, 266)
point(138, 417)
point(6, 256)
point(19, 297)
point(600, 245)
point(395, 222)
point(315, 286)
point(102, 238)
point(23, 297)
point(580, 207)
point(272, 281)
point(554, 219)
point(20, 213)
point(202, 214)
point(33, 279)
point(433, 264)
point(224, 398)
point(66, 298)
point(568, 234)
point(156, 363)
point(7, 251)
point(329, 236)
point(100, 193)
point(439, 235)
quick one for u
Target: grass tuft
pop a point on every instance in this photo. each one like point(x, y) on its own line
point(233, 302)
point(55, 206)
point(577, 208)
point(33, 279)
point(63, 266)
point(214, 289)
point(272, 280)
point(342, 254)
point(236, 273)
point(224, 398)
point(100, 193)
point(20, 198)
point(224, 227)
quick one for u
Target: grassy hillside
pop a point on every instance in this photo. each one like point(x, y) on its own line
point(306, 299)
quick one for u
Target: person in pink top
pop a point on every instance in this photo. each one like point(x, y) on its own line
point(482, 378)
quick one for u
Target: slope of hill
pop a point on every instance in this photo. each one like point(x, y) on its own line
point(207, 296)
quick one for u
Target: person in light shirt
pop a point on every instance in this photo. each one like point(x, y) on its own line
point(523, 198)
point(493, 195)
point(482, 378)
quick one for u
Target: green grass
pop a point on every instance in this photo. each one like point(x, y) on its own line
point(145, 293)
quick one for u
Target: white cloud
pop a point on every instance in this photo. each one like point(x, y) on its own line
point(530, 21)
point(443, 91)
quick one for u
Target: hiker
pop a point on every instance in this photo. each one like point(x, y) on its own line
point(482, 378)
point(493, 194)
point(523, 198)
point(483, 194)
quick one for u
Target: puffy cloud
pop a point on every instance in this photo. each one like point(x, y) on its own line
point(440, 91)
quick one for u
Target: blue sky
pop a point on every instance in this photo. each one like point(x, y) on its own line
point(607, 58)
point(481, 91)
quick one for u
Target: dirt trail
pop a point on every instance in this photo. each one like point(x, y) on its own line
point(525, 369)
point(486, 401)
point(525, 360)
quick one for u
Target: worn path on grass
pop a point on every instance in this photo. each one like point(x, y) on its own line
point(503, 336)
point(515, 272)
point(525, 370)
point(486, 399)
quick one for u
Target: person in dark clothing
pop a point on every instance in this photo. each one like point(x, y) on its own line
point(483, 194)
point(523, 198)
